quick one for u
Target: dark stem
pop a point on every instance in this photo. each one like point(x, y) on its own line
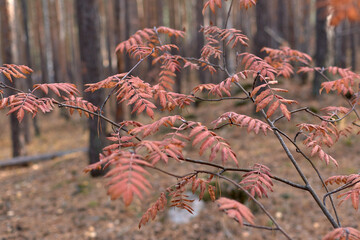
point(126, 75)
point(317, 172)
point(339, 189)
point(251, 197)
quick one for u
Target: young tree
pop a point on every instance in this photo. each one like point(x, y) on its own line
point(134, 149)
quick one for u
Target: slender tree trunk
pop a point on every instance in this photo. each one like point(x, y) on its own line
point(200, 38)
point(262, 21)
point(119, 108)
point(340, 45)
point(47, 43)
point(28, 62)
point(89, 42)
point(283, 19)
point(17, 145)
point(41, 40)
point(353, 47)
point(321, 46)
point(304, 38)
point(174, 4)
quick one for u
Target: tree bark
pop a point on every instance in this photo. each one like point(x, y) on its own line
point(119, 108)
point(17, 145)
point(340, 56)
point(321, 46)
point(262, 21)
point(353, 47)
point(48, 44)
point(200, 38)
point(89, 42)
point(41, 42)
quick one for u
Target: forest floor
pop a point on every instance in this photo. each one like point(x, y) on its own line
point(56, 200)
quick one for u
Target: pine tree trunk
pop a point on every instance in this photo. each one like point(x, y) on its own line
point(89, 42)
point(17, 145)
point(200, 39)
point(262, 21)
point(321, 46)
point(119, 108)
point(353, 47)
point(340, 45)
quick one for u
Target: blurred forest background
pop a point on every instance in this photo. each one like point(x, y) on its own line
point(74, 41)
point(44, 35)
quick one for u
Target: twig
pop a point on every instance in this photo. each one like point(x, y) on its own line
point(279, 228)
point(169, 173)
point(316, 170)
point(295, 164)
point(339, 189)
point(288, 182)
point(126, 75)
point(261, 227)
point(220, 99)
point(207, 63)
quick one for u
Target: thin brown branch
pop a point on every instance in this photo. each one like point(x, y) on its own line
point(295, 164)
point(220, 99)
point(283, 180)
point(316, 170)
point(339, 189)
point(207, 63)
point(169, 173)
point(126, 75)
point(279, 228)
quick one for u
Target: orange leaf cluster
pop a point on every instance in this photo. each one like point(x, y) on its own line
point(211, 4)
point(343, 85)
point(343, 9)
point(230, 34)
point(256, 64)
point(178, 197)
point(127, 177)
point(162, 150)
point(16, 71)
point(247, 3)
point(258, 180)
point(68, 88)
point(169, 65)
point(212, 48)
point(354, 193)
point(146, 38)
point(26, 102)
point(343, 233)
point(203, 184)
point(169, 100)
point(267, 96)
point(217, 89)
point(138, 93)
point(109, 82)
point(146, 130)
point(280, 59)
point(319, 135)
point(151, 213)
point(244, 4)
point(242, 121)
point(235, 210)
point(211, 140)
point(81, 103)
